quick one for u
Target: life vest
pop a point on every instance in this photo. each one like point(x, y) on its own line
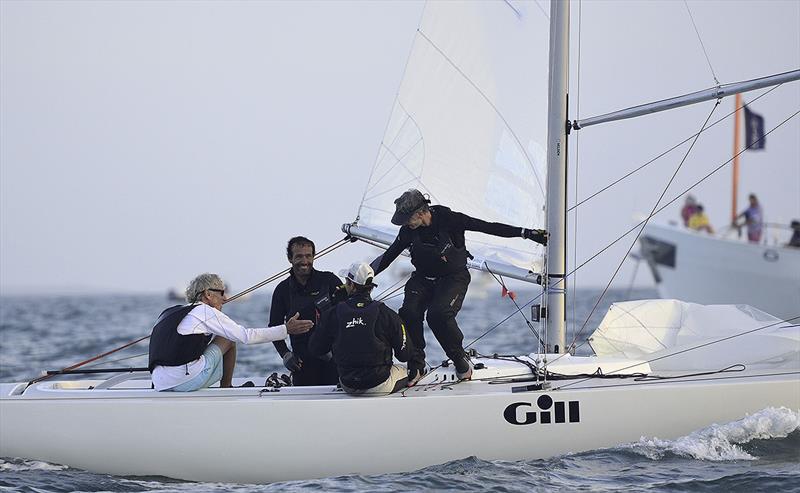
point(358, 347)
point(167, 347)
point(437, 256)
point(310, 302)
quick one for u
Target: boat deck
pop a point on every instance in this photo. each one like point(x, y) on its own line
point(490, 377)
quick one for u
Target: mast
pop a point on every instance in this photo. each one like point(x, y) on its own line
point(737, 125)
point(556, 205)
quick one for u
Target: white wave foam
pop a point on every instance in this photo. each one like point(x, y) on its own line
point(722, 442)
point(16, 465)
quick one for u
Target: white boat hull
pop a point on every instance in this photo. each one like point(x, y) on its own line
point(242, 436)
point(696, 267)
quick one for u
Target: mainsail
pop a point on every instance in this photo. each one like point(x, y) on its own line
point(468, 127)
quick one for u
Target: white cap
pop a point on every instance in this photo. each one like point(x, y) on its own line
point(360, 273)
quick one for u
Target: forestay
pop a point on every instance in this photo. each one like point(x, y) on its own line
point(468, 125)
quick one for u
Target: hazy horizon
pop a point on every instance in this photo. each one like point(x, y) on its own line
point(142, 143)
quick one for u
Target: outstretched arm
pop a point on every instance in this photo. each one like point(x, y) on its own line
point(395, 249)
point(500, 229)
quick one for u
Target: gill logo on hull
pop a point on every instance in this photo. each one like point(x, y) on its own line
point(548, 412)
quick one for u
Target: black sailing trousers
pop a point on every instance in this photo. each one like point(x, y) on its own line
point(315, 372)
point(441, 297)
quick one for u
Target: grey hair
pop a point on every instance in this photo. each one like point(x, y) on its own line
point(200, 284)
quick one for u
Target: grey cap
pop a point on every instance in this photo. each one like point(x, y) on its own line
point(407, 204)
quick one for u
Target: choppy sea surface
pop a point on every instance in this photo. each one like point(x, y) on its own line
point(760, 452)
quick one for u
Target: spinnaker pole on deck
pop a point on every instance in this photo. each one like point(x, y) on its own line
point(558, 87)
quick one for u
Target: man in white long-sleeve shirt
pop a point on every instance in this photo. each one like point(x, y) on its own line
point(194, 346)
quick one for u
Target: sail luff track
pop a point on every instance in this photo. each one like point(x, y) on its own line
point(691, 98)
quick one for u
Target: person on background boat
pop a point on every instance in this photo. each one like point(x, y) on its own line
point(794, 241)
point(194, 346)
point(754, 219)
point(699, 220)
point(435, 236)
point(309, 292)
point(688, 210)
point(362, 333)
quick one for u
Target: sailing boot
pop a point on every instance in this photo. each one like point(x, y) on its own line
point(463, 367)
point(415, 375)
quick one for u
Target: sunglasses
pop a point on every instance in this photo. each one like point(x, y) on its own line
point(220, 291)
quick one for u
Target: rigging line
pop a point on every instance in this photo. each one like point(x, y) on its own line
point(670, 202)
point(391, 289)
point(708, 60)
point(511, 6)
point(541, 9)
point(687, 139)
point(93, 358)
point(116, 360)
point(652, 211)
point(320, 254)
point(395, 292)
point(656, 382)
point(573, 299)
point(520, 147)
point(689, 349)
point(498, 324)
point(395, 295)
point(527, 322)
point(633, 278)
point(397, 95)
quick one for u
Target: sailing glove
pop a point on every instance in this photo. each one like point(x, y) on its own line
point(537, 235)
point(339, 294)
point(291, 362)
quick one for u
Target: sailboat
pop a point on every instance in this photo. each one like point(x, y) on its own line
point(474, 94)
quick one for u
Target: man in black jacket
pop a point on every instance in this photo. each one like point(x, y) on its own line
point(308, 292)
point(435, 237)
point(362, 334)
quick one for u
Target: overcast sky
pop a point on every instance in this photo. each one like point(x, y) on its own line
point(142, 143)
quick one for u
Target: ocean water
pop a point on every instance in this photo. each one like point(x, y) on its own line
point(760, 452)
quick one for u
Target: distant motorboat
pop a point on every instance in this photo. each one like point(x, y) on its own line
point(703, 268)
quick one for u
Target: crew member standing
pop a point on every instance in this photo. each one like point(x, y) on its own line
point(435, 237)
point(753, 218)
point(308, 292)
point(362, 334)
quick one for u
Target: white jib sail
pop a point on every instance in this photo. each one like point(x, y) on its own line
point(469, 125)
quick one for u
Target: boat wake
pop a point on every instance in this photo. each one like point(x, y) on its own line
point(16, 465)
point(723, 442)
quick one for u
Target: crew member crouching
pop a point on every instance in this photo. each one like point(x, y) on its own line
point(362, 334)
